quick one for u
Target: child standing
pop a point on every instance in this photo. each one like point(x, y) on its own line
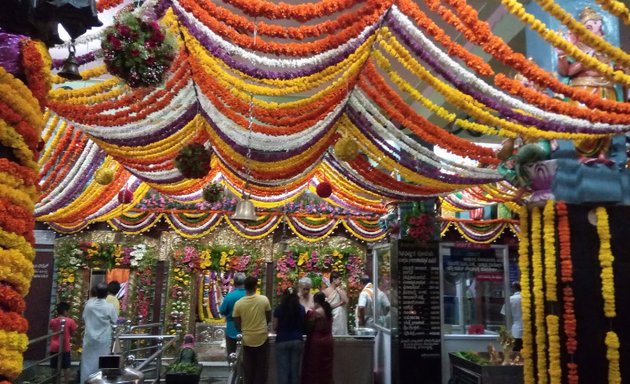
point(70, 328)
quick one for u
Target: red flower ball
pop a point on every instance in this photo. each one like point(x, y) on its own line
point(324, 189)
point(125, 196)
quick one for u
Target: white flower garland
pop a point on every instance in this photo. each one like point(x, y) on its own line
point(151, 125)
point(389, 131)
point(263, 141)
point(63, 189)
point(463, 74)
point(260, 60)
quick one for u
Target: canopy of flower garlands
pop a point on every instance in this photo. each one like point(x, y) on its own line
point(308, 74)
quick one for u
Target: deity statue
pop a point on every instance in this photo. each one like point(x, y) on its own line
point(589, 150)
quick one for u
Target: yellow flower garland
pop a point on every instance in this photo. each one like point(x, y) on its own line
point(555, 39)
point(584, 35)
point(17, 242)
point(539, 297)
point(617, 8)
point(550, 251)
point(20, 92)
point(470, 105)
point(606, 260)
point(85, 75)
point(389, 163)
point(13, 341)
point(18, 196)
point(16, 269)
point(555, 366)
point(52, 143)
point(10, 362)
point(10, 138)
point(523, 265)
point(612, 354)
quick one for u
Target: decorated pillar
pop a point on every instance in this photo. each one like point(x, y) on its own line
point(574, 277)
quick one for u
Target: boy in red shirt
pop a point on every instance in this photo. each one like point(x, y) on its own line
point(70, 327)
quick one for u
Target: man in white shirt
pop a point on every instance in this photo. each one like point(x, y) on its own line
point(365, 306)
point(98, 318)
point(517, 317)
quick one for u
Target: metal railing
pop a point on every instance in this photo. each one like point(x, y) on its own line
point(146, 364)
point(235, 362)
point(59, 355)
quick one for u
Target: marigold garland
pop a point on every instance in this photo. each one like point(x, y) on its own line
point(606, 260)
point(584, 34)
point(300, 12)
point(526, 297)
point(617, 8)
point(569, 321)
point(555, 367)
point(539, 297)
point(612, 354)
point(555, 39)
point(500, 50)
point(549, 236)
point(36, 62)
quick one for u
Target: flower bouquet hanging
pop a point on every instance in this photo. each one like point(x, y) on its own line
point(420, 224)
point(138, 51)
point(213, 192)
point(193, 161)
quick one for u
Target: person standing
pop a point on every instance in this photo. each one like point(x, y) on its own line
point(317, 364)
point(227, 306)
point(517, 317)
point(112, 295)
point(305, 285)
point(337, 298)
point(365, 305)
point(288, 324)
point(69, 328)
point(98, 318)
point(252, 315)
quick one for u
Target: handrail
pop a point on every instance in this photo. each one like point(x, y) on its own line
point(235, 362)
point(61, 334)
point(139, 326)
point(157, 356)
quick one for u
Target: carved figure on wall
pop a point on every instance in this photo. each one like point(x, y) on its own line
point(590, 150)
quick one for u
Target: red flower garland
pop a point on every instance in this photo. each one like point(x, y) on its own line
point(10, 299)
point(33, 67)
point(566, 276)
point(13, 322)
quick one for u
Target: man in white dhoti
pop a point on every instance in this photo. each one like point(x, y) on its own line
point(98, 318)
point(337, 298)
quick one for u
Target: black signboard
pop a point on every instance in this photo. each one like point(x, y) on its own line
point(419, 338)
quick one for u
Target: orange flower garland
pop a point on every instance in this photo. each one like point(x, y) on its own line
point(257, 43)
point(300, 12)
point(396, 108)
point(37, 72)
point(474, 62)
point(566, 276)
point(526, 297)
point(552, 104)
point(364, 16)
point(103, 5)
point(500, 50)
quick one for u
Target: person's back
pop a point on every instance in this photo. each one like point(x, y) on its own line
point(70, 326)
point(226, 309)
point(251, 315)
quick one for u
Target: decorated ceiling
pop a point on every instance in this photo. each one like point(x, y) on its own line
point(271, 88)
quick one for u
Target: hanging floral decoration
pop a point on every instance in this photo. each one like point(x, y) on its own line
point(74, 259)
point(346, 149)
point(324, 189)
point(193, 161)
point(213, 192)
point(299, 261)
point(138, 51)
point(125, 196)
point(420, 224)
point(213, 267)
point(104, 176)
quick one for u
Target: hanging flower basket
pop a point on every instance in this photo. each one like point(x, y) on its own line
point(193, 161)
point(213, 192)
point(138, 51)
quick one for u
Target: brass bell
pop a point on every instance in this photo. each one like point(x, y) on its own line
point(70, 69)
point(245, 210)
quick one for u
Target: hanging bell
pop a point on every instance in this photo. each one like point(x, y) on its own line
point(70, 69)
point(245, 210)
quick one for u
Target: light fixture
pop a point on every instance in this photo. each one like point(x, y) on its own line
point(70, 69)
point(245, 210)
